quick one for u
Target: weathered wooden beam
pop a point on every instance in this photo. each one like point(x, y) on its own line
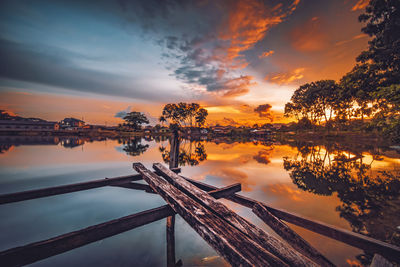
point(226, 191)
point(136, 186)
point(171, 262)
point(63, 189)
point(40, 250)
point(174, 151)
point(290, 236)
point(228, 241)
point(83, 235)
point(265, 240)
point(366, 243)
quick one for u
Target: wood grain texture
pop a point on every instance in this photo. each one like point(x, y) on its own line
point(63, 189)
point(268, 242)
point(227, 240)
point(290, 236)
point(363, 242)
point(40, 250)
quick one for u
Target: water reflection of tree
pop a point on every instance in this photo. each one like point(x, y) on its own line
point(133, 146)
point(369, 199)
point(190, 153)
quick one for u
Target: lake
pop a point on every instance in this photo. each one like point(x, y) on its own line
point(355, 186)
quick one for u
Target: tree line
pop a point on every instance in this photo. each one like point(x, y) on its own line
point(177, 115)
point(371, 90)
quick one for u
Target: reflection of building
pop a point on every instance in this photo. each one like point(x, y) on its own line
point(263, 132)
point(28, 125)
point(196, 131)
point(18, 140)
point(72, 142)
point(72, 122)
point(222, 129)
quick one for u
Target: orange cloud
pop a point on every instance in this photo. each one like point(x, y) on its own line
point(56, 107)
point(266, 54)
point(309, 37)
point(361, 4)
point(286, 78)
point(356, 37)
point(247, 24)
point(238, 86)
point(287, 191)
point(235, 175)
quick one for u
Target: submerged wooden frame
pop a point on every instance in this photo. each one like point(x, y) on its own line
point(40, 250)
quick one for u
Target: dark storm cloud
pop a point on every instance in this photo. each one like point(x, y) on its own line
point(264, 110)
point(205, 40)
point(55, 67)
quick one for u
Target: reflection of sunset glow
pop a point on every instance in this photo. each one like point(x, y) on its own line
point(227, 163)
point(283, 189)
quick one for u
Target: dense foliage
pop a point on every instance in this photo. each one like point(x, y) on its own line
point(135, 120)
point(369, 91)
point(184, 114)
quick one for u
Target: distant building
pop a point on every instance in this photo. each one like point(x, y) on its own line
point(72, 123)
point(221, 129)
point(195, 131)
point(28, 126)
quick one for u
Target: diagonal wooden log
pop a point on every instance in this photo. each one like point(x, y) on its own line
point(136, 186)
point(290, 236)
point(366, 243)
point(228, 241)
point(226, 191)
point(63, 189)
point(40, 250)
point(268, 242)
point(47, 248)
point(171, 241)
point(69, 188)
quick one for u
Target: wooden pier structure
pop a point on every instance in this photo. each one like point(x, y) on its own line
point(237, 240)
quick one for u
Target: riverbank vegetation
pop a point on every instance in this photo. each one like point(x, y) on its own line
point(366, 99)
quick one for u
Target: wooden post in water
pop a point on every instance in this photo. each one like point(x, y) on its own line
point(173, 163)
point(174, 152)
point(171, 241)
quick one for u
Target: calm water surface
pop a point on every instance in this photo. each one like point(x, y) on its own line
point(352, 186)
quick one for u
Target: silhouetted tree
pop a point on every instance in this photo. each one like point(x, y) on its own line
point(184, 114)
point(135, 120)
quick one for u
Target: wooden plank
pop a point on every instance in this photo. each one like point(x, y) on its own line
point(40, 250)
point(63, 189)
point(170, 241)
point(366, 243)
point(69, 240)
point(228, 241)
point(136, 186)
point(290, 236)
point(174, 151)
point(268, 242)
point(226, 191)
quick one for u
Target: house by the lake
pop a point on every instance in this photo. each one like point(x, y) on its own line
point(71, 123)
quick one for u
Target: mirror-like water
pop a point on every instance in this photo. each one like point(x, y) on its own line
point(352, 186)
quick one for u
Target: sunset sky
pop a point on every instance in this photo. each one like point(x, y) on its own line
point(98, 59)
